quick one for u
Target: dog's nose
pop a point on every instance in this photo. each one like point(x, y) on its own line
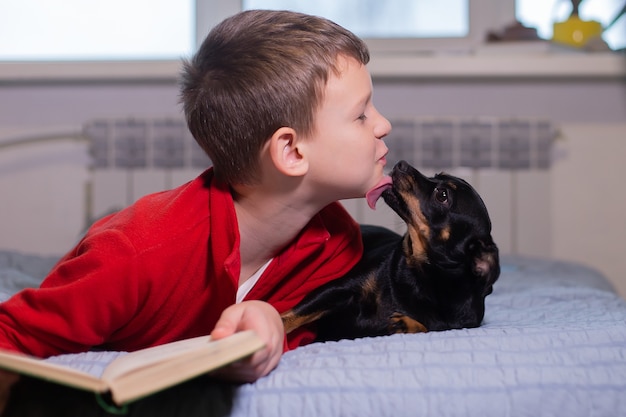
point(402, 166)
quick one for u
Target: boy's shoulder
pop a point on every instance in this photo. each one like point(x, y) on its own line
point(165, 214)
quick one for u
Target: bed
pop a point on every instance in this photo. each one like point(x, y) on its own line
point(553, 342)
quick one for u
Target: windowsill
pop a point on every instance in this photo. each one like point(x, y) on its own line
point(501, 65)
point(462, 66)
point(92, 71)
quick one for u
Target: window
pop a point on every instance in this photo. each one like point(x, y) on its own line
point(375, 19)
point(393, 26)
point(45, 30)
point(75, 30)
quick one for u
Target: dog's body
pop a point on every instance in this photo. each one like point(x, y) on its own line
point(435, 277)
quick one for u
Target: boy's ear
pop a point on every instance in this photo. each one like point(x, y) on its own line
point(286, 155)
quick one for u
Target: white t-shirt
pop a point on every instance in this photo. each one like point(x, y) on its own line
point(245, 288)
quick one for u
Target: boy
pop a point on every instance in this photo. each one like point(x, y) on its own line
point(282, 104)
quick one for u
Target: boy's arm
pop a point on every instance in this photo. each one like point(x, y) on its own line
point(77, 306)
point(266, 322)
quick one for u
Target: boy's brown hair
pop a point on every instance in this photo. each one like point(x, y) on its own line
point(257, 71)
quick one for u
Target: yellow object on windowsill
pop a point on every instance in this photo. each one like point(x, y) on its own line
point(576, 32)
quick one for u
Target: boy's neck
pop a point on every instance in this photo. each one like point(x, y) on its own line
point(267, 221)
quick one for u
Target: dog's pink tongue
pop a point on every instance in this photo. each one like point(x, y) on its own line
point(374, 194)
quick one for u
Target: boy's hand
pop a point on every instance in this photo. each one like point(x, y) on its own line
point(266, 322)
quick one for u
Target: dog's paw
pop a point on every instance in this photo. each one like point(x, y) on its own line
point(401, 323)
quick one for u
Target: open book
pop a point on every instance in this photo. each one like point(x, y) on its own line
point(137, 374)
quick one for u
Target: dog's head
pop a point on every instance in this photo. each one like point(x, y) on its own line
point(448, 226)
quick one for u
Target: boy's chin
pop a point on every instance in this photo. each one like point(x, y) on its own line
point(375, 192)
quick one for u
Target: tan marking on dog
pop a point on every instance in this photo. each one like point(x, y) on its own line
point(418, 218)
point(445, 233)
point(414, 248)
point(291, 321)
point(370, 285)
point(418, 230)
point(409, 325)
point(484, 264)
point(370, 293)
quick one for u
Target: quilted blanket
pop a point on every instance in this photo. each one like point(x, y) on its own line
point(553, 343)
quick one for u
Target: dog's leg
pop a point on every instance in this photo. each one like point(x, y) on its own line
point(322, 301)
point(401, 323)
point(292, 320)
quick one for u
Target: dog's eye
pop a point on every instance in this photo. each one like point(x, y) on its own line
point(441, 194)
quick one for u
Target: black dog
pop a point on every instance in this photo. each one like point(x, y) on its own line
point(435, 277)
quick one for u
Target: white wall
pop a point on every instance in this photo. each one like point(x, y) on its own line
point(42, 188)
point(589, 198)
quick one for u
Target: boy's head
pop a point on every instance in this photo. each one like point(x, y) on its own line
point(256, 72)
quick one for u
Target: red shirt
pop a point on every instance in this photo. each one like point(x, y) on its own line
point(164, 269)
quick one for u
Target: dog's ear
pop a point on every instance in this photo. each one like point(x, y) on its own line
point(485, 260)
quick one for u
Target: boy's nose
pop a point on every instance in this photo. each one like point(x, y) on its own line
point(383, 127)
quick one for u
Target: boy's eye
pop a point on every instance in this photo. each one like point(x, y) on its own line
point(362, 117)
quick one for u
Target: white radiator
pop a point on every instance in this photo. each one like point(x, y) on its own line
point(134, 157)
point(507, 160)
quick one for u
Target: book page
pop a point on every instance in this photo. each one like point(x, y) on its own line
point(180, 364)
point(39, 368)
point(146, 357)
point(91, 362)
